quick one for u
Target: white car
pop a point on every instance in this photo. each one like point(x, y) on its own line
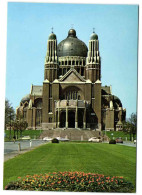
point(94, 139)
point(62, 139)
point(47, 138)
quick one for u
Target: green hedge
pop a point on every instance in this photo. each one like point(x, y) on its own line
point(55, 140)
point(112, 141)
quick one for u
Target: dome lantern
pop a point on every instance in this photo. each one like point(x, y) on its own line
point(72, 33)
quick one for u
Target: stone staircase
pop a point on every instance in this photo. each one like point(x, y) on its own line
point(72, 134)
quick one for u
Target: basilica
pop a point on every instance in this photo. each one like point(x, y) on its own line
point(72, 95)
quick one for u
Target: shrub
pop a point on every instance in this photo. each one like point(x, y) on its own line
point(55, 140)
point(112, 141)
point(71, 181)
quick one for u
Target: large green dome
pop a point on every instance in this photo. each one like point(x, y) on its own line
point(72, 46)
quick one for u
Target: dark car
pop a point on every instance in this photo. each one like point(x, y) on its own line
point(119, 140)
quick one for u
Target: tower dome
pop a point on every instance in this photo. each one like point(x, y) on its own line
point(52, 36)
point(94, 36)
point(72, 46)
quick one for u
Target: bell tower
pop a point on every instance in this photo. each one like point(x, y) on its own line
point(93, 62)
point(51, 59)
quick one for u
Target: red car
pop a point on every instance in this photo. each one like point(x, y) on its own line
point(119, 140)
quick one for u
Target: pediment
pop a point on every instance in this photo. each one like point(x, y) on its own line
point(72, 76)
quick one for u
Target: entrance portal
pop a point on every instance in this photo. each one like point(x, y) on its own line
point(71, 119)
point(62, 119)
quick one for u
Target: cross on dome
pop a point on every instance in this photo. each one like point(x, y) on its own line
point(93, 30)
point(52, 30)
point(72, 26)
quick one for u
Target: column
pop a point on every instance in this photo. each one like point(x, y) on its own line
point(76, 117)
point(84, 119)
point(58, 118)
point(66, 117)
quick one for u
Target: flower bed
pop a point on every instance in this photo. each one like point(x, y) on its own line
point(71, 181)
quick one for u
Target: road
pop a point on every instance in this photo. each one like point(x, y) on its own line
point(11, 146)
point(128, 143)
point(11, 149)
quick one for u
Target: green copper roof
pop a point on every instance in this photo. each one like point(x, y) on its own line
point(94, 37)
point(52, 36)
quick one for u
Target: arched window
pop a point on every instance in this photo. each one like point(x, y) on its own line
point(38, 103)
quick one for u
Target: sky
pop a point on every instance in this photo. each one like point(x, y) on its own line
point(28, 28)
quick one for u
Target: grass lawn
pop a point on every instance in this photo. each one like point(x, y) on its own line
point(111, 160)
point(34, 134)
point(118, 134)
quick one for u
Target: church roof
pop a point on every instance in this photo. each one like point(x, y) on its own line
point(72, 76)
point(25, 98)
point(36, 90)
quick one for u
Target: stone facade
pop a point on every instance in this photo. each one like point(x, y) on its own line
point(72, 95)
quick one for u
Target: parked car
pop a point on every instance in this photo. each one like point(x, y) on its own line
point(94, 139)
point(47, 138)
point(62, 139)
point(119, 140)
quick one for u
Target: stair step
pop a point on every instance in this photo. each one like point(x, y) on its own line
point(71, 134)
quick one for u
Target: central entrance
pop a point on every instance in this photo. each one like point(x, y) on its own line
point(71, 119)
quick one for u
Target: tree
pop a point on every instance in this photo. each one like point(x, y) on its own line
point(130, 126)
point(19, 125)
point(9, 115)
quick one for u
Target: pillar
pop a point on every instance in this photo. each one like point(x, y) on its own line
point(76, 117)
point(66, 117)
